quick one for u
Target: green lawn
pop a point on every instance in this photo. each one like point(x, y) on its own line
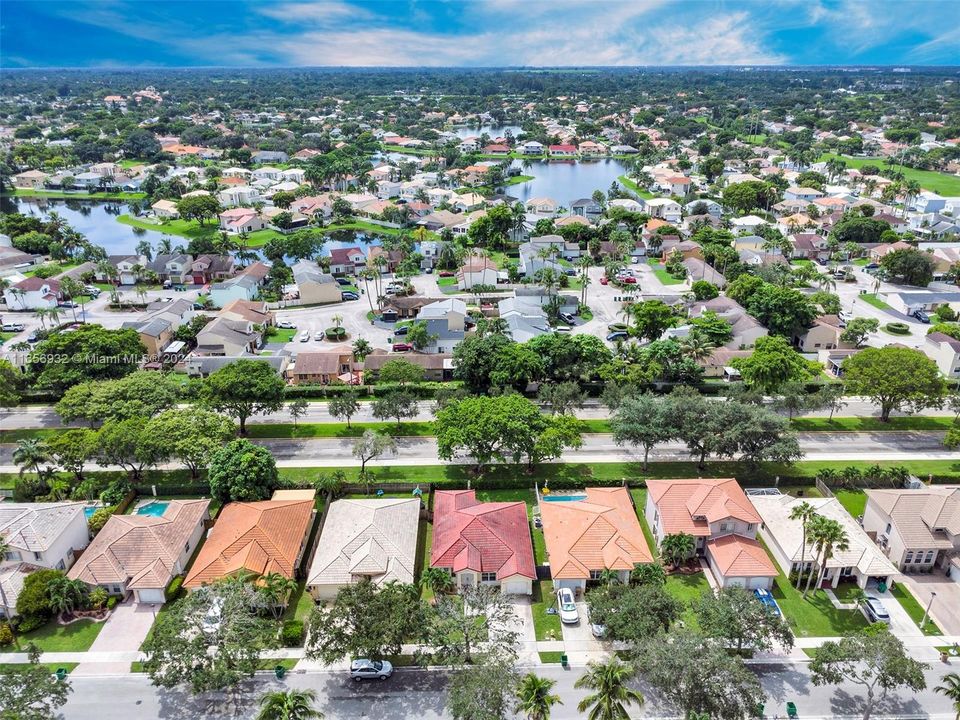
point(854, 501)
point(424, 543)
point(447, 281)
point(282, 335)
point(547, 627)
point(550, 656)
point(374, 229)
point(328, 430)
point(913, 607)
point(940, 183)
point(662, 275)
point(802, 263)
point(53, 637)
point(640, 501)
point(517, 180)
point(631, 185)
point(686, 589)
point(60, 194)
point(872, 424)
point(51, 667)
point(192, 229)
point(847, 592)
point(816, 616)
point(875, 301)
point(300, 604)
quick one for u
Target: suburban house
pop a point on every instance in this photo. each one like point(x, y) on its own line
point(201, 366)
point(254, 538)
point(944, 351)
point(697, 269)
point(824, 333)
point(165, 209)
point(323, 368)
point(30, 180)
point(437, 367)
point(12, 578)
point(236, 195)
point(143, 553)
point(861, 563)
point(314, 285)
point(159, 324)
point(240, 220)
point(532, 262)
point(927, 300)
point(563, 151)
point(586, 207)
point(477, 271)
point(446, 324)
point(596, 531)
point(245, 286)
point(176, 268)
point(531, 147)
point(372, 539)
point(127, 269)
point(541, 206)
point(254, 311)
point(525, 317)
point(208, 268)
point(746, 329)
point(723, 522)
point(918, 529)
point(404, 307)
point(482, 543)
point(32, 293)
point(222, 336)
point(346, 261)
point(664, 209)
point(44, 534)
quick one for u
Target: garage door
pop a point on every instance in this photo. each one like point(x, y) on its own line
point(760, 582)
point(736, 582)
point(516, 587)
point(572, 584)
point(150, 596)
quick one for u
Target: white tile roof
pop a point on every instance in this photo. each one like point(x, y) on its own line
point(36, 526)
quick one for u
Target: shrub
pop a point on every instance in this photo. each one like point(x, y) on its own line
point(897, 328)
point(291, 635)
point(100, 517)
point(29, 488)
point(33, 603)
point(174, 589)
point(6, 635)
point(335, 333)
point(112, 602)
point(115, 492)
point(29, 623)
point(98, 598)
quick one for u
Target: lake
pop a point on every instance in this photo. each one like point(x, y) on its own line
point(565, 180)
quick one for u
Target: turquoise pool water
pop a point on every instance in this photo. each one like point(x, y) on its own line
point(563, 498)
point(89, 510)
point(155, 508)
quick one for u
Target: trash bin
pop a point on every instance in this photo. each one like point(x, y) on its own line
point(61, 673)
point(279, 671)
point(881, 587)
point(563, 660)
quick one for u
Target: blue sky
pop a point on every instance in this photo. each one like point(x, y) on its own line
point(247, 33)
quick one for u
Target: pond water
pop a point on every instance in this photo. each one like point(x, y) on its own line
point(565, 180)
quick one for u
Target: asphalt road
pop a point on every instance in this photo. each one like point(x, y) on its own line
point(421, 695)
point(337, 452)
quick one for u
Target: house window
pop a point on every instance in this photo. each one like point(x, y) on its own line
point(488, 577)
point(725, 527)
point(889, 528)
point(751, 527)
point(909, 557)
point(13, 555)
point(38, 556)
point(929, 558)
point(595, 574)
point(186, 548)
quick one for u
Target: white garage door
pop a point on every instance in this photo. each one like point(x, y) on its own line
point(572, 584)
point(516, 587)
point(150, 596)
point(760, 582)
point(736, 582)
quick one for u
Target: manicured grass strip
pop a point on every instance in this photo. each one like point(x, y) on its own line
point(282, 335)
point(53, 637)
point(875, 301)
point(192, 229)
point(337, 430)
point(631, 185)
point(546, 627)
point(871, 424)
point(300, 605)
point(940, 183)
point(60, 194)
point(854, 501)
point(51, 667)
point(271, 663)
point(663, 276)
point(550, 656)
point(640, 501)
point(686, 589)
point(914, 609)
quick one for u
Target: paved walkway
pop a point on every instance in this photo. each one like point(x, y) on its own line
point(123, 632)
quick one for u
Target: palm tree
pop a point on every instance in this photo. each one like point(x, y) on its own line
point(437, 580)
point(677, 547)
point(361, 350)
point(609, 577)
point(804, 512)
point(66, 594)
point(584, 265)
point(276, 589)
point(611, 696)
point(30, 455)
point(534, 698)
point(697, 348)
point(827, 535)
point(289, 705)
point(951, 688)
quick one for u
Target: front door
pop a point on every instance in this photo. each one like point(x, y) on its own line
point(466, 580)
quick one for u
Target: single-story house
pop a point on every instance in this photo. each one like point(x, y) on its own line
point(143, 553)
point(373, 539)
point(596, 531)
point(322, 368)
point(482, 543)
point(254, 538)
point(437, 367)
point(166, 209)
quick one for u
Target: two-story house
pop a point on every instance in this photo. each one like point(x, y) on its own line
point(723, 523)
point(446, 324)
point(32, 293)
point(944, 351)
point(346, 261)
point(47, 535)
point(175, 267)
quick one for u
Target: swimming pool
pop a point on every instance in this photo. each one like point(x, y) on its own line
point(562, 498)
point(156, 508)
point(89, 510)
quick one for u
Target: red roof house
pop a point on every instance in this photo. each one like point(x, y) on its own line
point(483, 543)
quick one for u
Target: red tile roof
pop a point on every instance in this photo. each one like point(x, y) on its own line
point(690, 506)
point(737, 556)
point(482, 537)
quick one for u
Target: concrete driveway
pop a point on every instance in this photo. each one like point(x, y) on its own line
point(123, 632)
point(946, 606)
point(901, 624)
point(524, 626)
point(579, 643)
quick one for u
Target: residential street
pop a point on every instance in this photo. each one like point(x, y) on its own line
point(840, 446)
point(419, 694)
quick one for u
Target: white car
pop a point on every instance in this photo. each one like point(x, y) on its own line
point(318, 336)
point(567, 606)
point(214, 617)
point(286, 325)
point(370, 669)
point(305, 337)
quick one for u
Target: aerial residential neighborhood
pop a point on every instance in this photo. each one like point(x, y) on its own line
point(480, 361)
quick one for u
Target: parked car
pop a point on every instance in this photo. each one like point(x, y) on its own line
point(343, 281)
point(922, 317)
point(91, 290)
point(305, 337)
point(598, 630)
point(349, 296)
point(629, 280)
point(286, 325)
point(561, 329)
point(567, 318)
point(445, 273)
point(318, 335)
point(12, 327)
point(69, 304)
point(875, 610)
point(402, 330)
point(370, 669)
point(567, 606)
point(402, 347)
point(617, 335)
point(214, 618)
point(32, 337)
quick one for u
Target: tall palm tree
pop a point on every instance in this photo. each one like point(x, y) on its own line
point(804, 512)
point(951, 688)
point(31, 455)
point(611, 696)
point(584, 265)
point(677, 547)
point(697, 348)
point(289, 705)
point(534, 698)
point(828, 536)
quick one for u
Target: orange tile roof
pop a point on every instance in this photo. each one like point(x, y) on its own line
point(597, 533)
point(690, 506)
point(257, 537)
point(737, 556)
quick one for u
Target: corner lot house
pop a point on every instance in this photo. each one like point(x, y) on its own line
point(590, 533)
point(32, 293)
point(721, 519)
point(255, 538)
point(862, 563)
point(482, 543)
point(365, 539)
point(44, 534)
point(143, 553)
point(919, 530)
